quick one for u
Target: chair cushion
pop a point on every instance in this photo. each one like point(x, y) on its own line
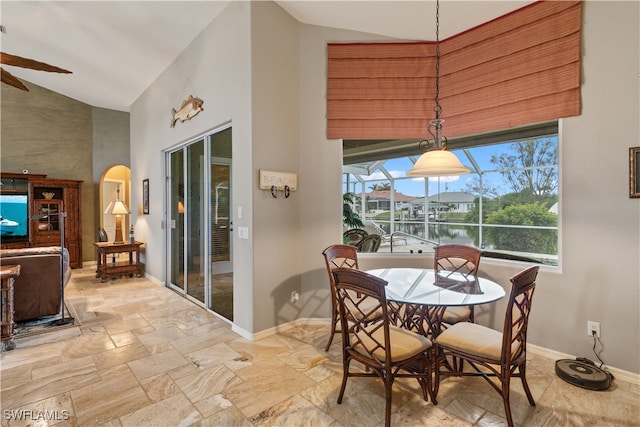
point(404, 344)
point(455, 314)
point(473, 339)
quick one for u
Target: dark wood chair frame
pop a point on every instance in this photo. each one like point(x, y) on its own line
point(370, 243)
point(361, 341)
point(447, 259)
point(513, 357)
point(354, 236)
point(336, 256)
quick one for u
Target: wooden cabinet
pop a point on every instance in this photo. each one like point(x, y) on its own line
point(45, 203)
point(52, 201)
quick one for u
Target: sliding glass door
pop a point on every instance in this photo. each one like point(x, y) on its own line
point(199, 216)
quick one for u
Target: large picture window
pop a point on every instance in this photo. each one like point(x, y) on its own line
point(507, 205)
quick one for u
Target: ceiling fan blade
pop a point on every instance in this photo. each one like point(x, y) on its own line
point(8, 78)
point(19, 61)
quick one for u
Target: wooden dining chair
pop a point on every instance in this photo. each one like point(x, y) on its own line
point(336, 256)
point(462, 260)
point(489, 353)
point(387, 352)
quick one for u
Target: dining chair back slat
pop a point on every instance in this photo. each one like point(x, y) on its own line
point(493, 354)
point(337, 256)
point(387, 352)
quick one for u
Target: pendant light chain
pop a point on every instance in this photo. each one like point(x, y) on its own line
point(437, 108)
point(435, 159)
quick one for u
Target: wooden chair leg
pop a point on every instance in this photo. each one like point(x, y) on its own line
point(334, 323)
point(523, 378)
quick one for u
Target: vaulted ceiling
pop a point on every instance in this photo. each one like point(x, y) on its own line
point(116, 49)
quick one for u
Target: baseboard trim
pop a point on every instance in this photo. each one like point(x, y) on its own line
point(619, 374)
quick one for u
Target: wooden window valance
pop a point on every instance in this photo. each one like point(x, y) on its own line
point(521, 68)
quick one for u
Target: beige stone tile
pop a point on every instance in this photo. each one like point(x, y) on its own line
point(63, 369)
point(29, 355)
point(159, 387)
point(157, 364)
point(120, 355)
point(126, 325)
point(207, 382)
point(229, 417)
point(173, 411)
point(213, 404)
point(49, 337)
point(190, 343)
point(53, 385)
point(304, 357)
point(15, 376)
point(318, 373)
point(292, 412)
point(57, 410)
point(86, 345)
point(159, 336)
point(287, 379)
point(105, 400)
point(210, 356)
point(124, 338)
point(566, 404)
point(272, 380)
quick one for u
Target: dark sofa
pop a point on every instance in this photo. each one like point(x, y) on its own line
point(37, 289)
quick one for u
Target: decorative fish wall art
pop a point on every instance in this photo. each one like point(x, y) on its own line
point(189, 108)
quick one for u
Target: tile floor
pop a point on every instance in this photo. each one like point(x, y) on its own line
point(145, 356)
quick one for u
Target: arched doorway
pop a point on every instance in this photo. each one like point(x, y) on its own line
point(115, 183)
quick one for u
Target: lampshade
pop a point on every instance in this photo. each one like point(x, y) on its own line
point(117, 207)
point(438, 163)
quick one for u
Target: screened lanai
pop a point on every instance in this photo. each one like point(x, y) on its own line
point(507, 205)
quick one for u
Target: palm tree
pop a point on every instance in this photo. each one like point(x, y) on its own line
point(350, 218)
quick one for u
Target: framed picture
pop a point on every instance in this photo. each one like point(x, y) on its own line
point(634, 172)
point(145, 196)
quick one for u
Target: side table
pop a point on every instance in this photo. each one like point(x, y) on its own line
point(8, 273)
point(130, 266)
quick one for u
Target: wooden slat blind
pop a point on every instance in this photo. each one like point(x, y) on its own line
point(518, 69)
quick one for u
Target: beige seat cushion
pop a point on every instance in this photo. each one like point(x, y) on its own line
point(473, 339)
point(404, 343)
point(456, 314)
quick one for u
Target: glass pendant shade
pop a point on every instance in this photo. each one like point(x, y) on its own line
point(438, 163)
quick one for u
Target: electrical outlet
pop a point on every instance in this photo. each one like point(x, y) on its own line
point(295, 296)
point(593, 327)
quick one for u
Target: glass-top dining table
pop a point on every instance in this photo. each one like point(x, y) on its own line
point(417, 298)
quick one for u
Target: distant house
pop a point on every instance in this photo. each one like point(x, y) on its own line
point(453, 201)
point(380, 200)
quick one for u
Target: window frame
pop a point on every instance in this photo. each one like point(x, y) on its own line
point(385, 150)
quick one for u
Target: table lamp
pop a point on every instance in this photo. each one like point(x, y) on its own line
point(118, 208)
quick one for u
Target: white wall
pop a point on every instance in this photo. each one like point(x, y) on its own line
point(599, 278)
point(216, 67)
point(277, 239)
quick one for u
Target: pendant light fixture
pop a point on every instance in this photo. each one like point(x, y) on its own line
point(436, 160)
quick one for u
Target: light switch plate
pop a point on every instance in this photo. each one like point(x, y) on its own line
point(243, 232)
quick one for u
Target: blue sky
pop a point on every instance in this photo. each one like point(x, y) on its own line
point(416, 186)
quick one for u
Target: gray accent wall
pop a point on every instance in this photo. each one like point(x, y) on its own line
point(48, 133)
